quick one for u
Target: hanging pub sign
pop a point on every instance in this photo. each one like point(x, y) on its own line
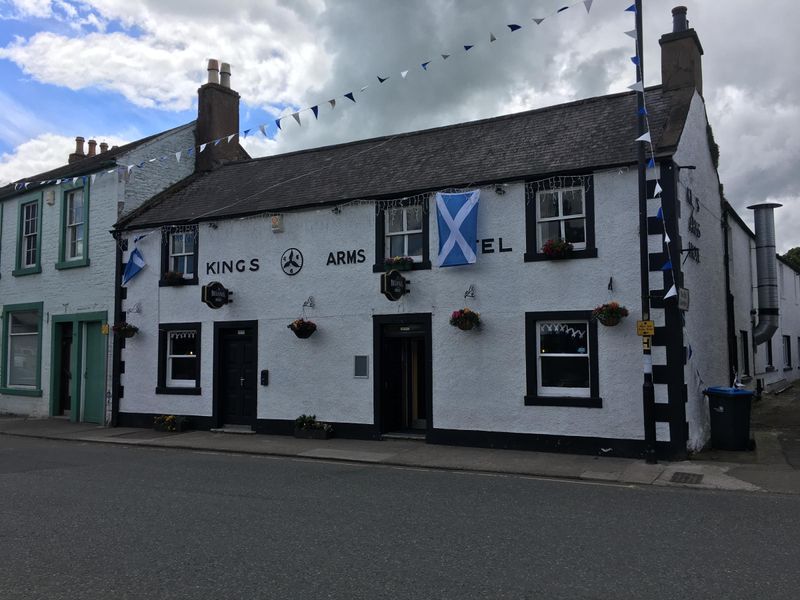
point(216, 295)
point(394, 285)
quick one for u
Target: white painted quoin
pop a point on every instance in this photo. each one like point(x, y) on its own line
point(57, 290)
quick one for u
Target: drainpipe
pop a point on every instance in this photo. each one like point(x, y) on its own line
point(766, 272)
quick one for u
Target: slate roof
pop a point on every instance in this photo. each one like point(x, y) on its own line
point(588, 134)
point(85, 166)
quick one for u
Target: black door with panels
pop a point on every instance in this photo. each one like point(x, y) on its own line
point(236, 373)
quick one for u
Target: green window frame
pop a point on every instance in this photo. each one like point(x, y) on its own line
point(20, 267)
point(8, 311)
point(68, 226)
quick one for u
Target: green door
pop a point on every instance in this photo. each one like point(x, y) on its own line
point(94, 374)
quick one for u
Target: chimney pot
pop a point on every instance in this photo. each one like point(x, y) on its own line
point(225, 75)
point(92, 147)
point(213, 71)
point(103, 147)
point(679, 20)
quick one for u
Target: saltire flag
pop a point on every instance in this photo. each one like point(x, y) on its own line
point(457, 218)
point(135, 264)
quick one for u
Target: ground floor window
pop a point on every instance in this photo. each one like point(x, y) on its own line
point(179, 358)
point(768, 344)
point(745, 347)
point(22, 348)
point(562, 359)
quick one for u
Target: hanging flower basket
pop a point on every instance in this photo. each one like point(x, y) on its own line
point(302, 328)
point(125, 329)
point(398, 263)
point(610, 314)
point(557, 248)
point(465, 319)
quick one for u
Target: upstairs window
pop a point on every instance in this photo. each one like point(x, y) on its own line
point(561, 214)
point(74, 249)
point(560, 209)
point(403, 230)
point(179, 256)
point(29, 241)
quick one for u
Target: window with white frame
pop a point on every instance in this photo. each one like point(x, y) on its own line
point(30, 235)
point(563, 360)
point(74, 225)
point(22, 367)
point(179, 358)
point(182, 253)
point(561, 214)
point(404, 231)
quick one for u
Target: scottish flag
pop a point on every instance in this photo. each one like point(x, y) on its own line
point(457, 217)
point(135, 264)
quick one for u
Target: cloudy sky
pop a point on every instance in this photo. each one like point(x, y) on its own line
point(118, 70)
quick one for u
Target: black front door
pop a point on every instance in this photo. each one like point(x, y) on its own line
point(237, 369)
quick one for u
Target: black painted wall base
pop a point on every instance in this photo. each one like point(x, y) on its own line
point(594, 446)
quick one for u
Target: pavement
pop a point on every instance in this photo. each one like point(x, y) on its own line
point(774, 465)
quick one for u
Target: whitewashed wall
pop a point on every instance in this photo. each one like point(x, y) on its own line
point(706, 320)
point(478, 376)
point(89, 289)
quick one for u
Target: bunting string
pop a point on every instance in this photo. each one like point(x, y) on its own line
point(425, 66)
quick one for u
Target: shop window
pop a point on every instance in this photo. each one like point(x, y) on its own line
point(179, 358)
point(562, 366)
point(403, 230)
point(179, 256)
point(560, 209)
point(22, 349)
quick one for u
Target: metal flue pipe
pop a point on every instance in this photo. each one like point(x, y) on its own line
point(766, 272)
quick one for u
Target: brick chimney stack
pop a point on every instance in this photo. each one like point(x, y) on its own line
point(681, 55)
point(78, 154)
point(217, 117)
point(92, 148)
point(103, 147)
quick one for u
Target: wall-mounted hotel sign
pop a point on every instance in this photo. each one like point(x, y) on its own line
point(394, 285)
point(216, 295)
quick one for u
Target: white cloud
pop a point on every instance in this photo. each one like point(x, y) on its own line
point(41, 154)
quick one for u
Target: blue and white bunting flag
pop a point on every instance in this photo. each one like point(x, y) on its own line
point(457, 218)
point(135, 264)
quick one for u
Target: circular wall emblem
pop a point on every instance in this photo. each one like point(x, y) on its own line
point(292, 261)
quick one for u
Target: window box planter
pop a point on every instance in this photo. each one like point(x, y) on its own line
point(125, 329)
point(174, 278)
point(302, 328)
point(556, 249)
point(398, 263)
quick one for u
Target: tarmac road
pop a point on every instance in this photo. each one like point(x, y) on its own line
point(96, 521)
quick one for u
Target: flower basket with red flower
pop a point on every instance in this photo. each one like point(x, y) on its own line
point(302, 328)
point(610, 314)
point(465, 319)
point(557, 248)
